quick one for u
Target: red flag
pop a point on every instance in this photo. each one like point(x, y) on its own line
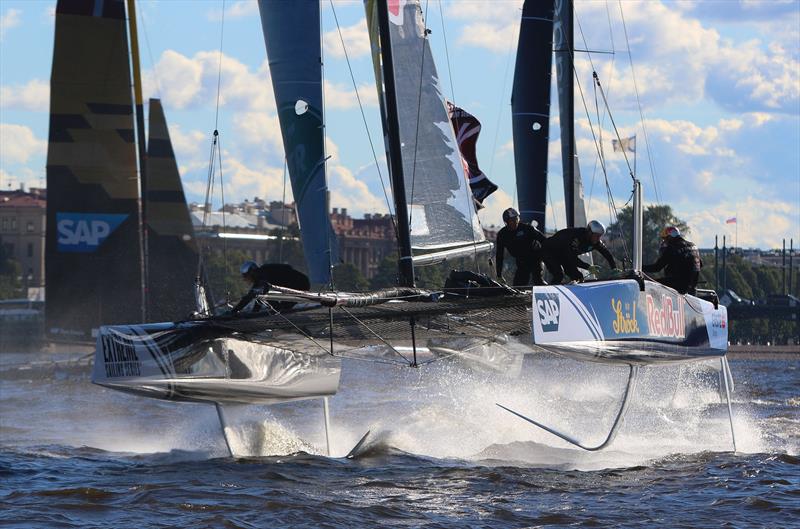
point(731, 220)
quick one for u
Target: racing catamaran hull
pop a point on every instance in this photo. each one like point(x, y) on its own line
point(198, 362)
point(618, 322)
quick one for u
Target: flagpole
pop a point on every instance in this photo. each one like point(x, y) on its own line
point(634, 156)
point(737, 230)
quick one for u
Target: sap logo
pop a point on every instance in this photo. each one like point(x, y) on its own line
point(85, 232)
point(549, 308)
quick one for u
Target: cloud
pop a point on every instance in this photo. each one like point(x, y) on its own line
point(356, 40)
point(11, 18)
point(338, 96)
point(18, 143)
point(191, 82)
point(240, 9)
point(34, 96)
point(495, 37)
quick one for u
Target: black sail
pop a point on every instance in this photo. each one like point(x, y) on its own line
point(564, 55)
point(172, 249)
point(93, 256)
point(530, 108)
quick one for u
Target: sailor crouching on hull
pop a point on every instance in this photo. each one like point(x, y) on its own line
point(262, 277)
point(562, 249)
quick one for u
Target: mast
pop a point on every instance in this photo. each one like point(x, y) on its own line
point(564, 55)
point(142, 151)
point(530, 108)
point(405, 265)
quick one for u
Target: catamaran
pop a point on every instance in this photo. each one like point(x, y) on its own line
point(280, 356)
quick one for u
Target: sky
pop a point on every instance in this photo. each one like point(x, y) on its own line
point(710, 88)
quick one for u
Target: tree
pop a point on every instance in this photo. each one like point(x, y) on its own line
point(620, 233)
point(10, 272)
point(348, 277)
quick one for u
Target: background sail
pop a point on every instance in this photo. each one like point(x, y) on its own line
point(172, 250)
point(441, 210)
point(93, 257)
point(573, 186)
point(291, 33)
point(530, 108)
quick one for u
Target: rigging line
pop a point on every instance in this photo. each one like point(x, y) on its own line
point(514, 36)
point(222, 198)
point(552, 208)
point(283, 213)
point(641, 112)
point(376, 335)
point(364, 120)
point(149, 51)
point(426, 31)
point(219, 71)
point(329, 228)
point(613, 123)
point(469, 196)
point(212, 156)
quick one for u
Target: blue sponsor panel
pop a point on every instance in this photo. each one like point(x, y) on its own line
point(616, 321)
point(85, 232)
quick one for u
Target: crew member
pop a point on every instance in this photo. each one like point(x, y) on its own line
point(524, 243)
point(681, 259)
point(262, 277)
point(562, 249)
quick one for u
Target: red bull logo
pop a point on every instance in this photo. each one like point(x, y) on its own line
point(665, 318)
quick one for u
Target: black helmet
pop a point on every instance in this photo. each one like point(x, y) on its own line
point(510, 213)
point(248, 267)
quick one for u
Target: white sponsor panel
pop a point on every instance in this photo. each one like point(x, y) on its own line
point(717, 325)
point(558, 316)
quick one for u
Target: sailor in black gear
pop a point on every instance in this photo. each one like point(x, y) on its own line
point(524, 243)
point(262, 277)
point(681, 259)
point(561, 251)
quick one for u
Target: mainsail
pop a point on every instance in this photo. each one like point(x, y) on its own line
point(564, 54)
point(172, 250)
point(93, 255)
point(291, 33)
point(441, 213)
point(530, 108)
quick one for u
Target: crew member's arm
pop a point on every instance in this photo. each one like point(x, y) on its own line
point(658, 265)
point(500, 250)
point(247, 298)
point(580, 263)
point(600, 247)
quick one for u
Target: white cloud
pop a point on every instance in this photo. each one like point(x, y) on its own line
point(35, 96)
point(260, 129)
point(338, 96)
point(11, 18)
point(240, 9)
point(495, 37)
point(356, 40)
point(18, 144)
point(186, 82)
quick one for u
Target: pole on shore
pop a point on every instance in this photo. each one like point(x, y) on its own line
point(724, 269)
point(783, 268)
point(716, 266)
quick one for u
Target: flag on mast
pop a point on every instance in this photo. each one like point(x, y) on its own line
point(624, 144)
point(731, 220)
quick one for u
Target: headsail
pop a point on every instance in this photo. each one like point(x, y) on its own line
point(564, 54)
point(93, 256)
point(172, 256)
point(467, 129)
point(440, 207)
point(292, 36)
point(530, 108)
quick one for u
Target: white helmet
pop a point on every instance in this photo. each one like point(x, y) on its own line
point(596, 226)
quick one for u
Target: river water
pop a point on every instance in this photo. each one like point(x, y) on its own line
point(440, 453)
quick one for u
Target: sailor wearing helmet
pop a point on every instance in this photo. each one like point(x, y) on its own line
point(524, 243)
point(681, 259)
point(562, 249)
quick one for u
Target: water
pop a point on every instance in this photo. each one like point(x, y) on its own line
point(440, 454)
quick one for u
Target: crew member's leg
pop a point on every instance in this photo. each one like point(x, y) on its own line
point(554, 267)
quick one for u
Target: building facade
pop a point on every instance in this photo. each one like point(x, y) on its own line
point(22, 232)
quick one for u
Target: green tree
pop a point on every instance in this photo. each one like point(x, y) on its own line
point(348, 277)
point(10, 272)
point(620, 233)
